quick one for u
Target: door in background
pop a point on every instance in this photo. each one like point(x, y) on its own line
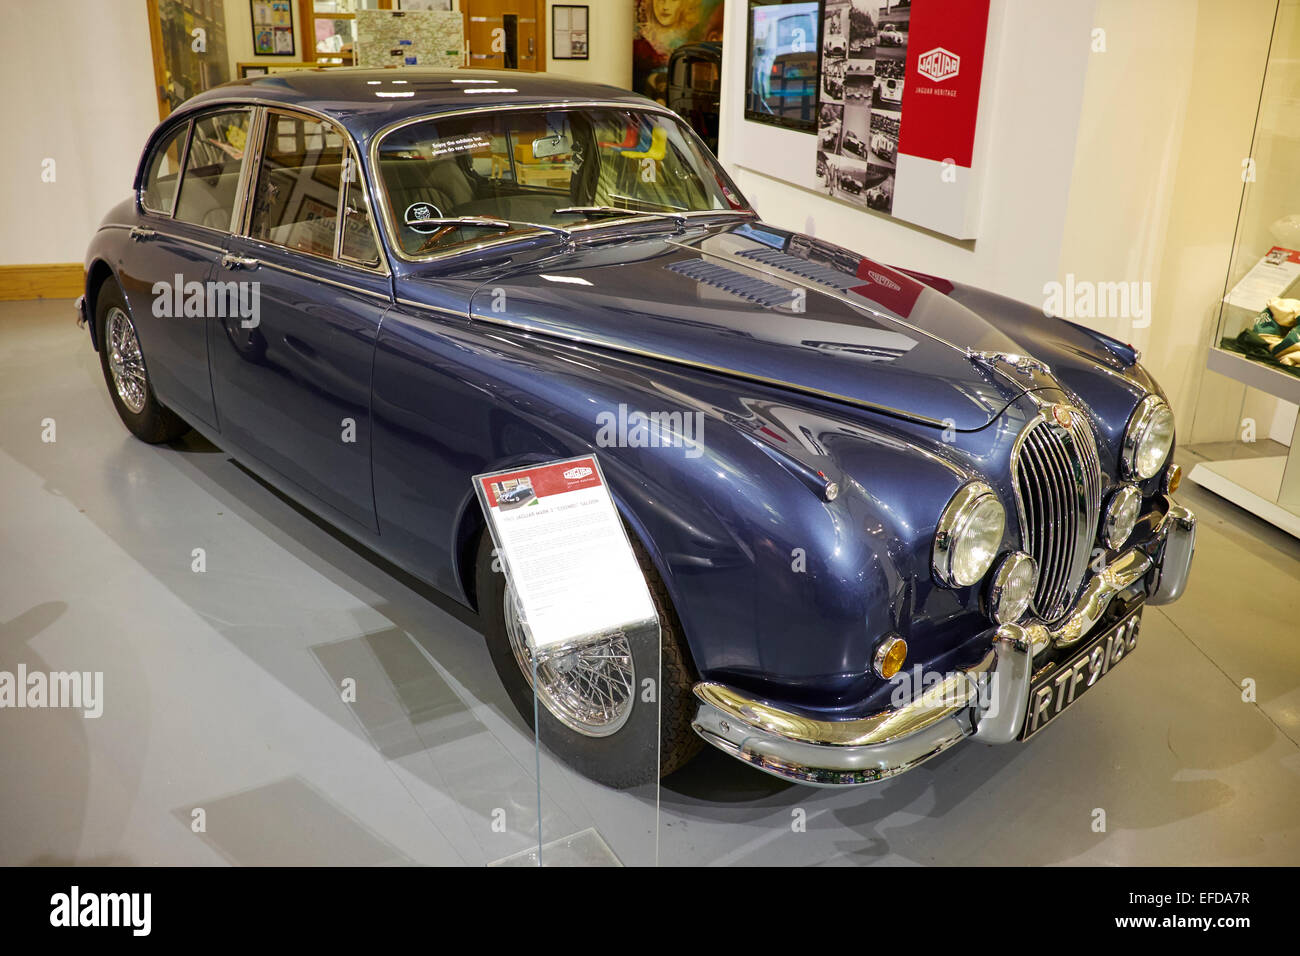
point(505, 34)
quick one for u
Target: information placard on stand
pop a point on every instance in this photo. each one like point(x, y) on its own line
point(566, 556)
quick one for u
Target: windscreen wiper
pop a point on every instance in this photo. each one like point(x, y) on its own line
point(592, 212)
point(484, 222)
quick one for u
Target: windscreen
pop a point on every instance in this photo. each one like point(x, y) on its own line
point(560, 168)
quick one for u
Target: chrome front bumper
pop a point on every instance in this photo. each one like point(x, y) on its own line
point(988, 701)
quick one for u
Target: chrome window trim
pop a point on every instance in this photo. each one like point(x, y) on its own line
point(180, 171)
point(379, 268)
point(256, 101)
point(193, 119)
point(247, 182)
point(370, 216)
point(383, 133)
point(316, 277)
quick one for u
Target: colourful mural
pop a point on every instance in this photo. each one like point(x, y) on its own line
point(661, 27)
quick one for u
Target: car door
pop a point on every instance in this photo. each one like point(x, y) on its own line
point(292, 365)
point(187, 200)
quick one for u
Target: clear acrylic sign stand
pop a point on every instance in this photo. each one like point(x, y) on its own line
point(584, 627)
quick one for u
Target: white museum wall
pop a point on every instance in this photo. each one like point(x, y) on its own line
point(610, 29)
point(1030, 101)
point(80, 88)
point(1114, 166)
point(1169, 110)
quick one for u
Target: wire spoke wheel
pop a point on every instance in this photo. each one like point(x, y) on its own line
point(125, 361)
point(590, 691)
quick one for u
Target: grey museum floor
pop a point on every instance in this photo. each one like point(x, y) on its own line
point(222, 693)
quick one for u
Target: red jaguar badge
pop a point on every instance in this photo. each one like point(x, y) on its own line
point(1062, 416)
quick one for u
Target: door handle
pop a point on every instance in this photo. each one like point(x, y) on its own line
point(239, 262)
point(139, 233)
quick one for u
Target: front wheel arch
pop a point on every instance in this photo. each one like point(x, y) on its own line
point(98, 273)
point(472, 524)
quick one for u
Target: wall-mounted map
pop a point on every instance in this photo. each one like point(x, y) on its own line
point(415, 38)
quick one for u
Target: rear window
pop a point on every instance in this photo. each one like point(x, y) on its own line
point(163, 171)
point(212, 168)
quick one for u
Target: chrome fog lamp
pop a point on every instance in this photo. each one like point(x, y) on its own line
point(1121, 516)
point(1012, 587)
point(969, 535)
point(1148, 439)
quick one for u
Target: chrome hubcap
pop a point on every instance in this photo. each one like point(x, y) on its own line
point(125, 361)
point(589, 691)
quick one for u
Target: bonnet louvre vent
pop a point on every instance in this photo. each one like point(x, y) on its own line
point(739, 284)
point(804, 268)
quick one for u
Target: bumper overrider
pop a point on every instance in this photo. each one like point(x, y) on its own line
point(990, 701)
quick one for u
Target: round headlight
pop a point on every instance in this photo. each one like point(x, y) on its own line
point(1121, 516)
point(969, 535)
point(1149, 437)
point(1012, 587)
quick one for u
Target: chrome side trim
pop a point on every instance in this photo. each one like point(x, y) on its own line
point(192, 242)
point(315, 277)
point(435, 308)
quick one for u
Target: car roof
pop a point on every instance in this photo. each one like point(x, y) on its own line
point(355, 97)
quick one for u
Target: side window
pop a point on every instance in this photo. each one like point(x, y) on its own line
point(358, 234)
point(212, 168)
point(296, 202)
point(163, 171)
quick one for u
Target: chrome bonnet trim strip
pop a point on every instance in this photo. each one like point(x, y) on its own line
point(705, 366)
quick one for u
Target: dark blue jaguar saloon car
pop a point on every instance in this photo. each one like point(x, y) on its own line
point(902, 512)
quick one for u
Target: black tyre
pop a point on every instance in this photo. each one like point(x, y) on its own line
point(609, 736)
point(124, 369)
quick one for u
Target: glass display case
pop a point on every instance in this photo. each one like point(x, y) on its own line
point(1257, 336)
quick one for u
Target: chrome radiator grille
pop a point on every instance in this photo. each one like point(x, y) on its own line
point(1058, 493)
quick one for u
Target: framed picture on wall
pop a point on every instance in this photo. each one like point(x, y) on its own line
point(272, 27)
point(568, 32)
point(783, 64)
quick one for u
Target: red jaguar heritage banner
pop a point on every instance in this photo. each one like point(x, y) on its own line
point(941, 86)
point(899, 102)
